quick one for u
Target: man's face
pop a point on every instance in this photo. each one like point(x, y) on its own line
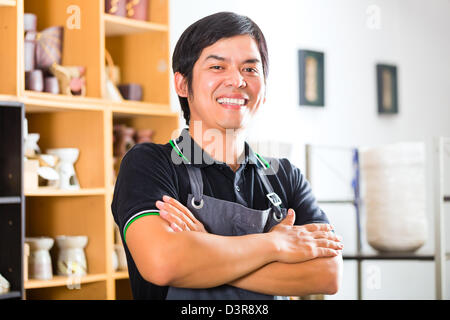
point(227, 84)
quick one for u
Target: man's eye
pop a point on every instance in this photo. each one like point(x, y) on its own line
point(216, 67)
point(250, 70)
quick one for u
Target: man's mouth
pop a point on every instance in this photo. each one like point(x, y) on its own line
point(232, 102)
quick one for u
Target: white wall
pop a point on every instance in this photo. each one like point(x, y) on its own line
point(413, 34)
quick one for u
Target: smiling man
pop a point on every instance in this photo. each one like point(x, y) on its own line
point(205, 217)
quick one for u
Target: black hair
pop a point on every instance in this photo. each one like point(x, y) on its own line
point(204, 33)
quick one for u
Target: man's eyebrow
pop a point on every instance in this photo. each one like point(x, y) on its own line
point(216, 57)
point(213, 56)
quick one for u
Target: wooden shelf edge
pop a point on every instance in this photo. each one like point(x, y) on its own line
point(117, 26)
point(51, 192)
point(59, 281)
point(118, 275)
point(42, 102)
point(7, 3)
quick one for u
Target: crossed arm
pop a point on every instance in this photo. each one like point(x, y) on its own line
point(174, 249)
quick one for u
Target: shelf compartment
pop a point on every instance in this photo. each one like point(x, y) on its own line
point(92, 287)
point(60, 281)
point(51, 192)
point(118, 26)
point(143, 59)
point(123, 289)
point(10, 150)
point(82, 43)
point(164, 126)
point(83, 130)
point(54, 216)
point(11, 229)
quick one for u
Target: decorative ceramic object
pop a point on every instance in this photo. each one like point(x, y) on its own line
point(131, 91)
point(143, 135)
point(34, 80)
point(114, 260)
point(4, 285)
point(40, 262)
point(26, 257)
point(116, 7)
point(30, 50)
point(71, 79)
point(71, 258)
point(65, 167)
point(124, 139)
point(122, 256)
point(49, 45)
point(393, 184)
point(137, 9)
point(29, 22)
point(51, 85)
point(31, 144)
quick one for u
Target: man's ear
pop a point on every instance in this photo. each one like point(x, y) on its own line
point(180, 85)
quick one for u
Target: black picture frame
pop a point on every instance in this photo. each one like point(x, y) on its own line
point(311, 78)
point(387, 93)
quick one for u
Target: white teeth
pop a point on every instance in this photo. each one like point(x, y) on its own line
point(240, 102)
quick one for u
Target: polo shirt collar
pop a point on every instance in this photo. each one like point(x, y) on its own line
point(192, 153)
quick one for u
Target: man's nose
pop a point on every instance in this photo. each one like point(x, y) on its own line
point(235, 79)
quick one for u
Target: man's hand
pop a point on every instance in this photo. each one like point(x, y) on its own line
point(179, 217)
point(305, 242)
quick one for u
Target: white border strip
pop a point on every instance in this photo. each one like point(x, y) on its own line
point(136, 215)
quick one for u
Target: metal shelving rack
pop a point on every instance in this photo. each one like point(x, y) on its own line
point(440, 255)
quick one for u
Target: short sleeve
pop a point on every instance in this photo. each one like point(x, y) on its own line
point(302, 199)
point(145, 175)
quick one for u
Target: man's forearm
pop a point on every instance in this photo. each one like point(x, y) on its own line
point(220, 259)
point(317, 276)
point(194, 259)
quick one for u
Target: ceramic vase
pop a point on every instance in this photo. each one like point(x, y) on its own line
point(71, 257)
point(393, 185)
point(39, 261)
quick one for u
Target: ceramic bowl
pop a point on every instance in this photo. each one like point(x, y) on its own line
point(66, 242)
point(40, 243)
point(65, 154)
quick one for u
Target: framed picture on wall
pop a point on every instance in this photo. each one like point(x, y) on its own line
point(311, 78)
point(387, 89)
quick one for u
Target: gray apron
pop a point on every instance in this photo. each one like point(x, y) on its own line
point(228, 218)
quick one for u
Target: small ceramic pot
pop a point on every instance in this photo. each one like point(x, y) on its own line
point(71, 258)
point(39, 261)
point(34, 80)
point(51, 85)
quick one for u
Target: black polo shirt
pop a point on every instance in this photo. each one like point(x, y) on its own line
point(148, 171)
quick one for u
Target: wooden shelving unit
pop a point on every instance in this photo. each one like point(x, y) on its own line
point(141, 50)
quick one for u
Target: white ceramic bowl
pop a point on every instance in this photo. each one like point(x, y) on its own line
point(66, 242)
point(40, 243)
point(65, 154)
